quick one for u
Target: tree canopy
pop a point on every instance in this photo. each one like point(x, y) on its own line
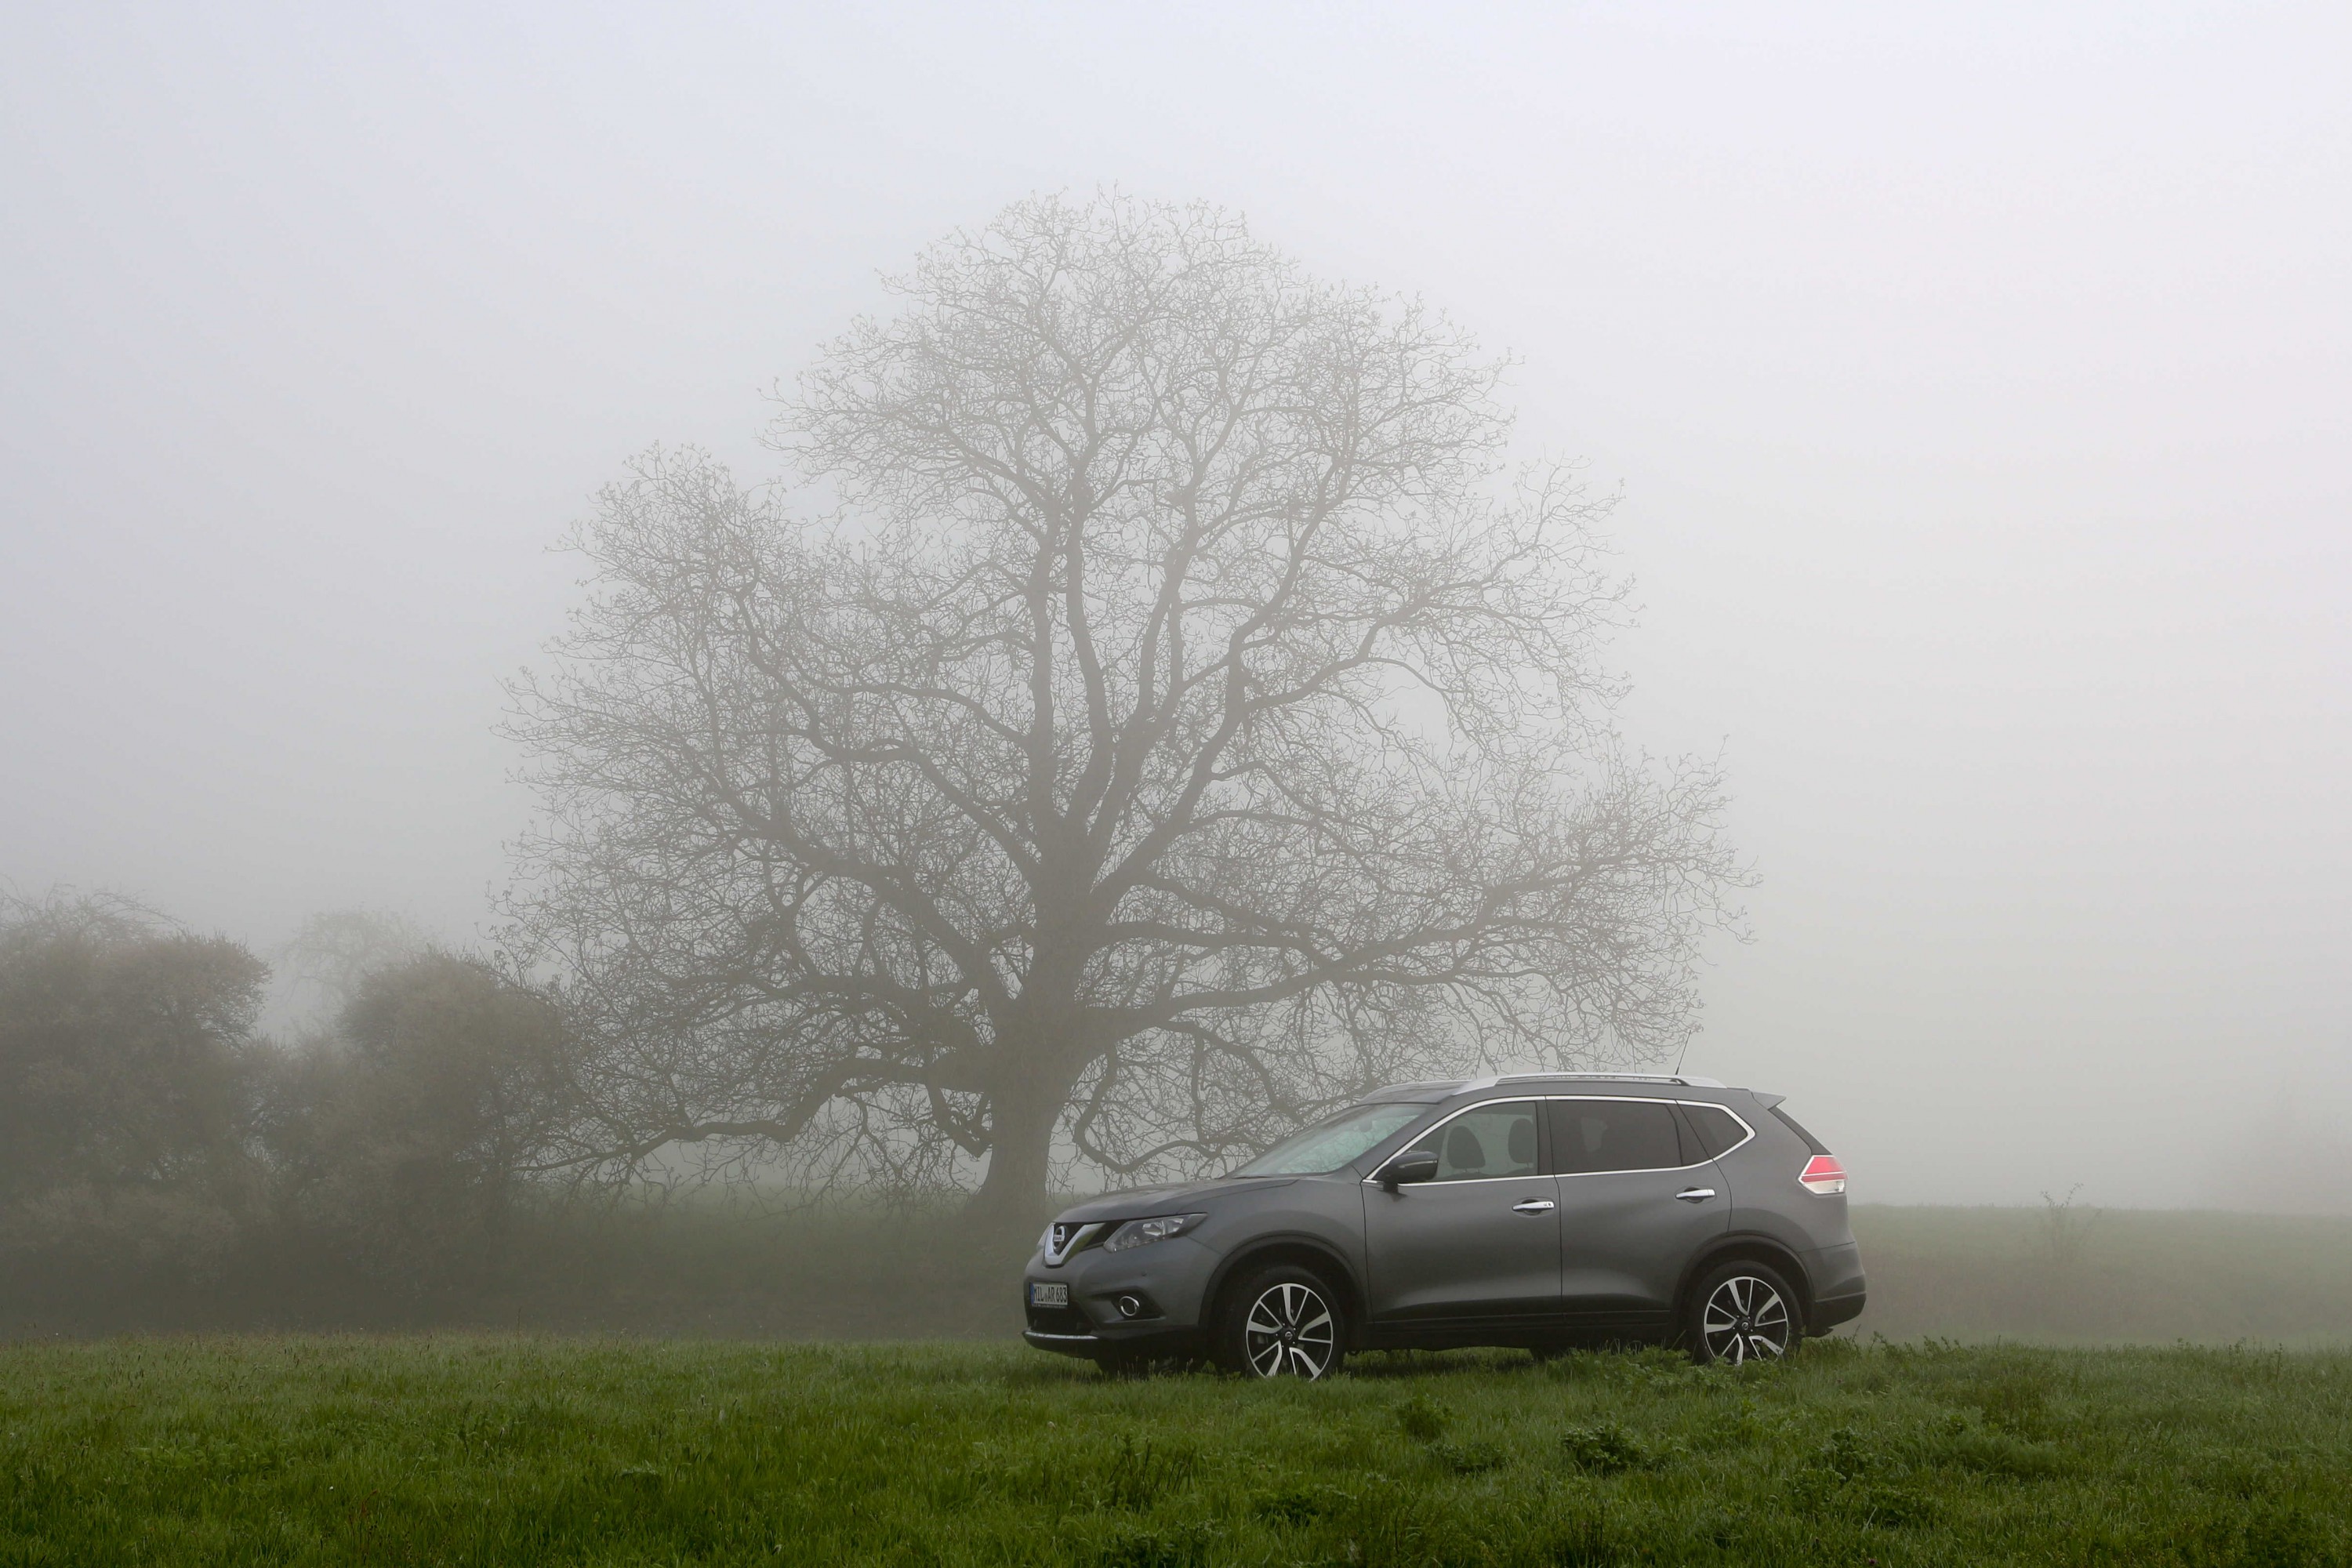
point(1158, 714)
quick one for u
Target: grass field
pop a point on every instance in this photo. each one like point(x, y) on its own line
point(486, 1450)
point(2105, 1276)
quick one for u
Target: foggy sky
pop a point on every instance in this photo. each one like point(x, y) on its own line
point(1977, 380)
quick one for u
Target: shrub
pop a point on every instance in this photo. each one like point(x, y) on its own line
point(407, 1138)
point(126, 1086)
point(1606, 1447)
point(1423, 1419)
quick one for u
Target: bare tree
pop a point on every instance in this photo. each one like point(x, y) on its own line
point(1179, 722)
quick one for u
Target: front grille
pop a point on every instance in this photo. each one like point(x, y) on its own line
point(1059, 1320)
point(1064, 1238)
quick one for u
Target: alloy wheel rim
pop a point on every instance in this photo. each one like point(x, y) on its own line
point(1289, 1332)
point(1745, 1318)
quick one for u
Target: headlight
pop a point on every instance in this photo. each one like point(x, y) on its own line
point(1143, 1232)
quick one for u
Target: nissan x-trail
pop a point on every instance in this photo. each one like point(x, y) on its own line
point(1544, 1211)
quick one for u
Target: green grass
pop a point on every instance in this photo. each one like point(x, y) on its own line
point(487, 1450)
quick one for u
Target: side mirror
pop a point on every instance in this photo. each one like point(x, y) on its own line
point(1412, 1165)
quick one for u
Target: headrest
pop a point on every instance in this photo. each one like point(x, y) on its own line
point(1463, 1149)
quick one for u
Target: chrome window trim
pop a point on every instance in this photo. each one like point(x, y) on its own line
point(1472, 1181)
point(1746, 1127)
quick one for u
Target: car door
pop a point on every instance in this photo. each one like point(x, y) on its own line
point(1480, 1245)
point(1638, 1198)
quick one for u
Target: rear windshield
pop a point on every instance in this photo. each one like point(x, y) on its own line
point(1811, 1143)
point(1329, 1145)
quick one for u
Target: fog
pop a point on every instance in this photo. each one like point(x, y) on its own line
point(1977, 381)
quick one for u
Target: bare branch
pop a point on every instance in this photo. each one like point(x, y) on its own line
point(1184, 723)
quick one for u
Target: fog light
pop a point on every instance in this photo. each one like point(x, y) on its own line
point(1131, 1307)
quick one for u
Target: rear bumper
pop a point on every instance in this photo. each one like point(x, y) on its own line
point(1840, 1289)
point(1829, 1314)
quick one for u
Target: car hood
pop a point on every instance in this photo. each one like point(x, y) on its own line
point(1144, 1201)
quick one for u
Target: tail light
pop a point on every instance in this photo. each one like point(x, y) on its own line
point(1823, 1175)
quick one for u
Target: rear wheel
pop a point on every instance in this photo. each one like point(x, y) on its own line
point(1742, 1311)
point(1282, 1320)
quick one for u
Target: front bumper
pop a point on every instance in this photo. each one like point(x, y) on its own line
point(1134, 1344)
point(1166, 1283)
point(1088, 1345)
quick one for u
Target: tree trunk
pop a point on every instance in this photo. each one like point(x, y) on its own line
point(1013, 1196)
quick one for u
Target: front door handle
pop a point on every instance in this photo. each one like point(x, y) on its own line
point(1533, 1205)
point(1696, 1194)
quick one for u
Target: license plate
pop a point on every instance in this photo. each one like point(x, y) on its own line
point(1044, 1293)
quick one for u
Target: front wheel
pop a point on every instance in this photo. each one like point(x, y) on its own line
point(1282, 1320)
point(1741, 1311)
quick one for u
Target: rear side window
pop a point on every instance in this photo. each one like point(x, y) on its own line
point(1589, 1135)
point(1811, 1143)
point(1717, 1128)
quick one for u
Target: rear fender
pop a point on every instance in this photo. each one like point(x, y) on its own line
point(1755, 1248)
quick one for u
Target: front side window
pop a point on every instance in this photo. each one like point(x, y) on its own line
point(1487, 1142)
point(1327, 1145)
point(1589, 1135)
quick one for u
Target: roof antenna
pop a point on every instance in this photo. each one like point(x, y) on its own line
point(1680, 1055)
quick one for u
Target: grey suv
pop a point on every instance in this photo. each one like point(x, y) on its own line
point(1544, 1210)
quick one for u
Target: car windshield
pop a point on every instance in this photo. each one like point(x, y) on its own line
point(1330, 1144)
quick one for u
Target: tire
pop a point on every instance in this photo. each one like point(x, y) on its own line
point(1741, 1311)
point(1282, 1320)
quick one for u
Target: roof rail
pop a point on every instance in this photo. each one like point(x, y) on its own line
point(1689, 1080)
point(1448, 1087)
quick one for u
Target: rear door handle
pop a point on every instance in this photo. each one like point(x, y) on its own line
point(1533, 1205)
point(1696, 1194)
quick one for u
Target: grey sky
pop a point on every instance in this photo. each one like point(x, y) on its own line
point(1978, 380)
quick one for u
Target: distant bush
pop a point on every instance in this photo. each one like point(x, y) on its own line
point(127, 1068)
point(407, 1137)
point(156, 1150)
